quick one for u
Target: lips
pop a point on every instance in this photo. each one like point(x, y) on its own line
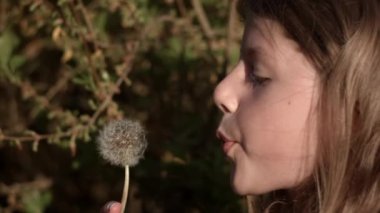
point(227, 143)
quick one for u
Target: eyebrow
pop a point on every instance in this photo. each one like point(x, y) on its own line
point(251, 52)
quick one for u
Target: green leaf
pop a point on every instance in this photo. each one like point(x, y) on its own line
point(8, 43)
point(85, 80)
point(92, 104)
point(62, 2)
point(100, 22)
point(35, 201)
point(16, 62)
point(34, 6)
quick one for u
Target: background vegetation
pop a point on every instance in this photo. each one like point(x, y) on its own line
point(67, 67)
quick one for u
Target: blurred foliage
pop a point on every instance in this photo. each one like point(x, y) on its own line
point(67, 67)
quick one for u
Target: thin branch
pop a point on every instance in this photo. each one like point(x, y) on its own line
point(2, 15)
point(88, 23)
point(249, 202)
point(85, 38)
point(39, 183)
point(205, 28)
point(59, 85)
point(230, 34)
point(37, 137)
point(181, 7)
point(108, 99)
point(202, 18)
point(28, 91)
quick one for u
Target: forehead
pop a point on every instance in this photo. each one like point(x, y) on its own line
point(273, 50)
point(263, 35)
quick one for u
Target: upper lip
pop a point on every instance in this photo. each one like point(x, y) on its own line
point(222, 137)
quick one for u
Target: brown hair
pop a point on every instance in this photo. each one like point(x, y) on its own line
point(342, 39)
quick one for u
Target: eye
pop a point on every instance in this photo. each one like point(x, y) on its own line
point(253, 78)
point(257, 80)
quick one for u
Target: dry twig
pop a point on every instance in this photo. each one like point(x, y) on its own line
point(202, 18)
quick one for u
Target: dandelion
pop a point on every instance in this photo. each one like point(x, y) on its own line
point(123, 143)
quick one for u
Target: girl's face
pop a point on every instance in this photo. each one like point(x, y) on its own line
point(268, 100)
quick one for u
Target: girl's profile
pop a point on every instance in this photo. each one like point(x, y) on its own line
point(301, 108)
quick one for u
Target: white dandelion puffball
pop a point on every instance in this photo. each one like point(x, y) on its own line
point(122, 142)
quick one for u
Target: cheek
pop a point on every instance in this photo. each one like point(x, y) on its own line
point(277, 127)
point(278, 147)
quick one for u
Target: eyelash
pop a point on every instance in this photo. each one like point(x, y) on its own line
point(256, 80)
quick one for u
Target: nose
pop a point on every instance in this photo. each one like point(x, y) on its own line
point(225, 93)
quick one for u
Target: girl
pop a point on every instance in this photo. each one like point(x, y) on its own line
point(302, 106)
point(301, 109)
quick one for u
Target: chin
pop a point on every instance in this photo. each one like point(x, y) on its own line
point(246, 188)
point(252, 191)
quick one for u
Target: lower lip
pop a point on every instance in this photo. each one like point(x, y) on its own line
point(227, 146)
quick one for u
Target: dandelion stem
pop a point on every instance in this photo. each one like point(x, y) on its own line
point(249, 203)
point(125, 191)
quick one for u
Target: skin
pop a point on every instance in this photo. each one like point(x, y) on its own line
point(270, 122)
point(112, 207)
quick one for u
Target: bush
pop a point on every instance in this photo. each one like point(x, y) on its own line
point(67, 67)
